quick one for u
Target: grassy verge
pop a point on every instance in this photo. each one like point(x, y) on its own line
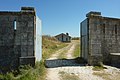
point(77, 49)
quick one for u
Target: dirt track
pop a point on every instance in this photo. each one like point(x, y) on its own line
point(77, 72)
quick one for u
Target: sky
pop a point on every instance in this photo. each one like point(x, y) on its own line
point(64, 16)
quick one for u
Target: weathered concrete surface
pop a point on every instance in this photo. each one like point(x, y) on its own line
point(17, 38)
point(101, 37)
point(115, 59)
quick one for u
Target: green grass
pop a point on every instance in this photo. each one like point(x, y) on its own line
point(77, 49)
point(50, 46)
point(26, 73)
point(62, 55)
point(99, 68)
point(76, 52)
point(51, 50)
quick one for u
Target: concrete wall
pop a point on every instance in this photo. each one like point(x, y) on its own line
point(38, 44)
point(8, 58)
point(84, 39)
point(95, 38)
point(18, 38)
point(24, 40)
point(111, 38)
point(115, 59)
point(104, 38)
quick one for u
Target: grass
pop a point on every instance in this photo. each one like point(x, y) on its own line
point(67, 76)
point(49, 46)
point(26, 73)
point(62, 55)
point(99, 68)
point(76, 52)
point(77, 49)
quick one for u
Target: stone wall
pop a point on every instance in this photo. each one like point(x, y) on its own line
point(115, 59)
point(103, 38)
point(16, 37)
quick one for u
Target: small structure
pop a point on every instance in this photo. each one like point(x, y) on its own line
point(20, 38)
point(63, 37)
point(100, 37)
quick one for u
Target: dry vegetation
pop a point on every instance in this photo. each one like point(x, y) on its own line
point(107, 76)
point(104, 75)
point(50, 45)
point(77, 49)
point(67, 76)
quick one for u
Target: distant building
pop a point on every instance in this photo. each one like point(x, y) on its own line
point(100, 39)
point(20, 38)
point(63, 37)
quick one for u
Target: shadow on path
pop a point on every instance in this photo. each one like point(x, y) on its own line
point(64, 62)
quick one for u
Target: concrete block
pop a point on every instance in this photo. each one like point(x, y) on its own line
point(29, 60)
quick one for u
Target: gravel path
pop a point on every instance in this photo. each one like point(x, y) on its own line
point(81, 72)
point(53, 73)
point(71, 50)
